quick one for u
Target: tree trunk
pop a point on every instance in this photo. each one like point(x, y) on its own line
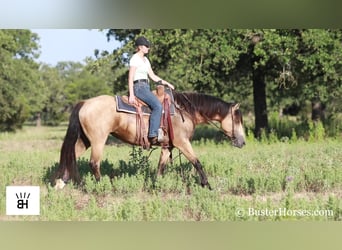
point(260, 106)
point(38, 120)
point(317, 113)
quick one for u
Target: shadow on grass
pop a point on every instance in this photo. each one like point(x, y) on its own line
point(83, 168)
point(107, 169)
point(126, 169)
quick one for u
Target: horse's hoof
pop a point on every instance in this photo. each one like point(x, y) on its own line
point(206, 185)
point(59, 184)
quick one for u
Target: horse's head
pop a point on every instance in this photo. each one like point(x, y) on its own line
point(232, 126)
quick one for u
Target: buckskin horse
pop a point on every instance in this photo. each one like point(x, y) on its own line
point(92, 120)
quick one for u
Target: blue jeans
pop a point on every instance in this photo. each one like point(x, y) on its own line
point(143, 92)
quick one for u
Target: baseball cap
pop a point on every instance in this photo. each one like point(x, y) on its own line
point(142, 41)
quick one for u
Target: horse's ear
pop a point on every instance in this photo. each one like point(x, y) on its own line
point(236, 106)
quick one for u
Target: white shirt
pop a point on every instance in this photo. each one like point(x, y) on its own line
point(143, 65)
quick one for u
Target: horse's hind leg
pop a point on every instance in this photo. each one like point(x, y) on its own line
point(95, 159)
point(60, 179)
point(163, 160)
point(80, 148)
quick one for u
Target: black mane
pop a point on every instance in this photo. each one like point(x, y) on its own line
point(204, 104)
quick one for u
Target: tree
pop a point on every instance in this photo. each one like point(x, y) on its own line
point(320, 61)
point(66, 84)
point(84, 84)
point(302, 64)
point(54, 107)
point(264, 62)
point(19, 79)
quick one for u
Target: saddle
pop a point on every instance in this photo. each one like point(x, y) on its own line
point(141, 109)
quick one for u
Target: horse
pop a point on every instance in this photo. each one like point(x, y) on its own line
point(92, 120)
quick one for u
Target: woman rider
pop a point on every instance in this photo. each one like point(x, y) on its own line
point(139, 71)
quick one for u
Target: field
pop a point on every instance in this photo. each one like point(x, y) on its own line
point(288, 180)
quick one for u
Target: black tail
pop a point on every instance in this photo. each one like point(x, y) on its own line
point(67, 164)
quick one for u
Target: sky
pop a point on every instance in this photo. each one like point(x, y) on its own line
point(75, 45)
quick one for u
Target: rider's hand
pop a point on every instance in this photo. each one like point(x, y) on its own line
point(165, 83)
point(131, 99)
point(170, 86)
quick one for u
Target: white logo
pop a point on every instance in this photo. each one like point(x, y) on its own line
point(22, 200)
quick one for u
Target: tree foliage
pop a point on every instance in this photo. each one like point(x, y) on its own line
point(67, 84)
point(19, 78)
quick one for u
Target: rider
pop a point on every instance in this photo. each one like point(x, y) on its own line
point(138, 86)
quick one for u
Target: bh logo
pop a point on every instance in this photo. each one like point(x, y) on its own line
point(22, 200)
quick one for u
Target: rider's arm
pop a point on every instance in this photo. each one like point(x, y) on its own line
point(131, 97)
point(156, 78)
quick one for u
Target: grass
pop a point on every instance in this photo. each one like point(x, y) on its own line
point(294, 176)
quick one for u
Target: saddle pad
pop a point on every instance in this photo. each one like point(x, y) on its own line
point(122, 106)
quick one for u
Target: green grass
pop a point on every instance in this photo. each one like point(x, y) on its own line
point(294, 175)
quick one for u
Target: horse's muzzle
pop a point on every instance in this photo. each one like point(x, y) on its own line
point(238, 142)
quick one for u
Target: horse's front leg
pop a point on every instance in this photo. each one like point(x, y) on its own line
point(165, 155)
point(189, 153)
point(204, 180)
